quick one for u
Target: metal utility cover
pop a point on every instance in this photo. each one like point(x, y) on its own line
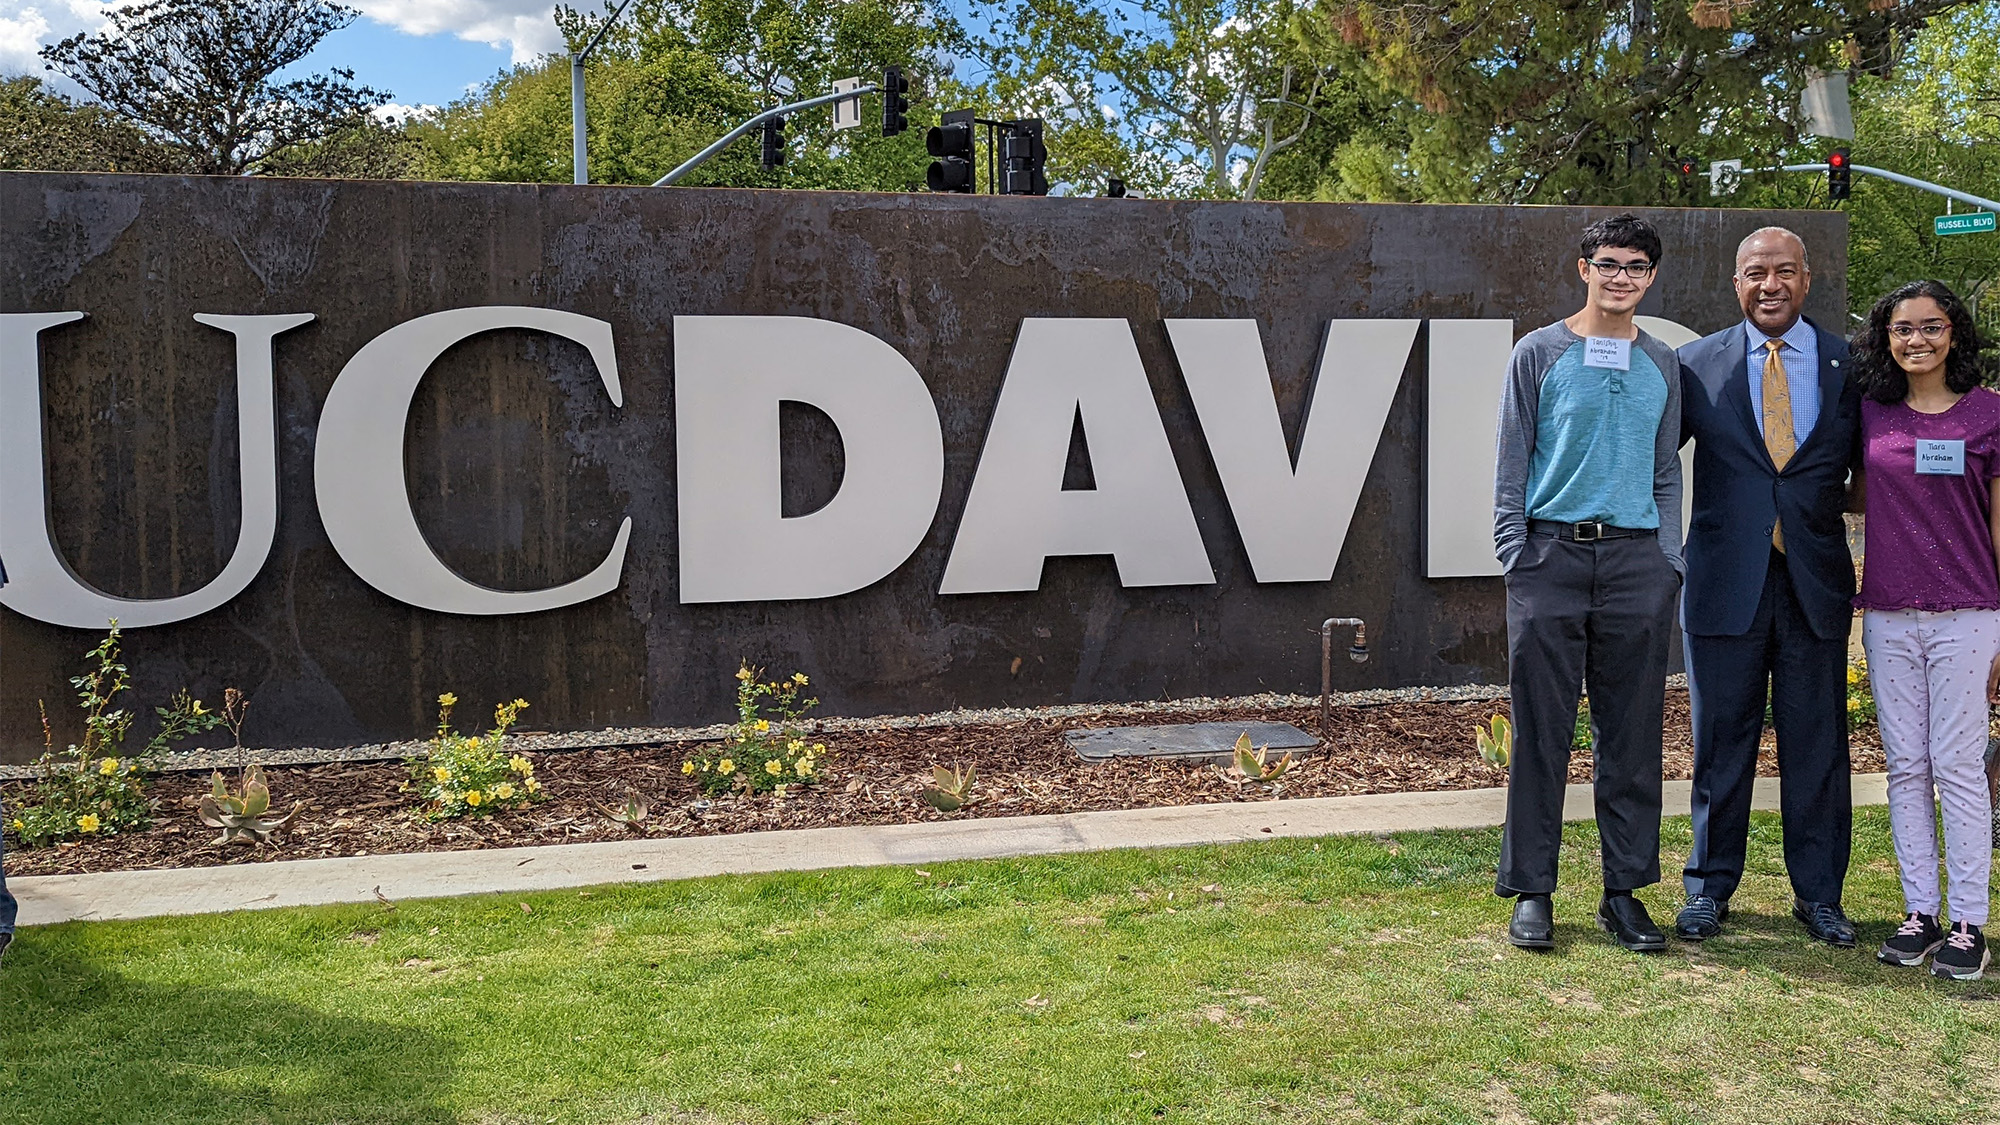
point(1183, 740)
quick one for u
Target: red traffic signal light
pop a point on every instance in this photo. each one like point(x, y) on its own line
point(1838, 173)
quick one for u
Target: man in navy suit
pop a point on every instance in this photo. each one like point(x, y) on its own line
point(1774, 419)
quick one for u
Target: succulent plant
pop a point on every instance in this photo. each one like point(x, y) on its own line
point(241, 815)
point(633, 813)
point(1252, 765)
point(953, 790)
point(1496, 743)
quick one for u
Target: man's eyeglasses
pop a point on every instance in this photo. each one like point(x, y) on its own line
point(1933, 331)
point(1637, 271)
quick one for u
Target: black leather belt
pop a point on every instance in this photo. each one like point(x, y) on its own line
point(1589, 531)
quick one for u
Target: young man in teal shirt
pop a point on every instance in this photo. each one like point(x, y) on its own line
point(1586, 522)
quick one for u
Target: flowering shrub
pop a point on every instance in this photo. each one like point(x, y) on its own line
point(1860, 697)
point(767, 749)
point(474, 774)
point(93, 788)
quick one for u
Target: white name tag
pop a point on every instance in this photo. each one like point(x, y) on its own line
point(1940, 458)
point(1607, 352)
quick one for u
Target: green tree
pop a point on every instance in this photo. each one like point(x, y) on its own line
point(199, 76)
point(674, 75)
point(1178, 97)
point(1937, 119)
point(42, 129)
point(1551, 101)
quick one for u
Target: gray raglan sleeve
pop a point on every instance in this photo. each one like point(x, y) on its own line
point(1667, 453)
point(1520, 398)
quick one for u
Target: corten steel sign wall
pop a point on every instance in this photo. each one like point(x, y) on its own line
point(527, 351)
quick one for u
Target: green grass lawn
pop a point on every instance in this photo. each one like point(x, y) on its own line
point(1288, 981)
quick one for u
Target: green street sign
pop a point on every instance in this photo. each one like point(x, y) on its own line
point(1974, 222)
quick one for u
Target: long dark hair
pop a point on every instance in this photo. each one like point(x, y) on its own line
point(1882, 380)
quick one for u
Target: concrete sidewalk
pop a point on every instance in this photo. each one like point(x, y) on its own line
point(310, 882)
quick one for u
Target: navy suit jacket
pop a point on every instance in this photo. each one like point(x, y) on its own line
point(1739, 493)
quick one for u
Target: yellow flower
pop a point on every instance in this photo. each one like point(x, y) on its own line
point(744, 674)
point(520, 765)
point(799, 678)
point(533, 785)
point(109, 767)
point(503, 791)
point(472, 743)
point(819, 747)
point(763, 725)
point(804, 767)
point(199, 709)
point(795, 746)
point(774, 767)
point(447, 700)
point(687, 766)
point(18, 825)
point(519, 705)
point(441, 774)
point(726, 765)
point(87, 822)
point(473, 797)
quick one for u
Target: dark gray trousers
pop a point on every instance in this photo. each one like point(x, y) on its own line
point(1600, 612)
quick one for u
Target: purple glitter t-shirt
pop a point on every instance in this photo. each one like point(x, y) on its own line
point(1929, 545)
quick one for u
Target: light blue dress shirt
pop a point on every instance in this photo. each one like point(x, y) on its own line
point(1800, 355)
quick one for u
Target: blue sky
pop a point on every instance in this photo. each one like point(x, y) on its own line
point(423, 52)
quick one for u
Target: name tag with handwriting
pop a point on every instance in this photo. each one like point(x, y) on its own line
point(1940, 458)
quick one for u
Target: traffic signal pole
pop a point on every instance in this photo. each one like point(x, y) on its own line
point(702, 157)
point(1895, 177)
point(579, 128)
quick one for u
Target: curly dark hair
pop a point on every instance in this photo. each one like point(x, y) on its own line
point(1882, 380)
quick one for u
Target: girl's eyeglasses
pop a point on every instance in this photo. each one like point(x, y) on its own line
point(1931, 331)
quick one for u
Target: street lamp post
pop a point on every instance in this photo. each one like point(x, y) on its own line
point(578, 128)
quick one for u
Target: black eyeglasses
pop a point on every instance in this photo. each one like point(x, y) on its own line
point(1932, 331)
point(1637, 271)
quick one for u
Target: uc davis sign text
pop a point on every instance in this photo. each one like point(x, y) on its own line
point(348, 446)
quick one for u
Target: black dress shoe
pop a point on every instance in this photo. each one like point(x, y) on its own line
point(1701, 918)
point(1825, 922)
point(1625, 919)
point(1534, 923)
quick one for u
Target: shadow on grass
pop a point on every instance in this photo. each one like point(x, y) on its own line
point(84, 1043)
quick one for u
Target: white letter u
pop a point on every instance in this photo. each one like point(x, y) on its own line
point(39, 583)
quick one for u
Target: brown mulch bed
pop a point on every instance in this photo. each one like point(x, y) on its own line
point(871, 777)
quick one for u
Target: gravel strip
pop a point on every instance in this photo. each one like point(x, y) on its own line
point(615, 737)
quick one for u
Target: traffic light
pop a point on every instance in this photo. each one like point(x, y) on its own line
point(1838, 185)
point(1685, 168)
point(1023, 158)
point(951, 142)
point(895, 103)
point(774, 142)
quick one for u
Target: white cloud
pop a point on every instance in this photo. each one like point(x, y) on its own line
point(526, 27)
point(25, 28)
point(392, 112)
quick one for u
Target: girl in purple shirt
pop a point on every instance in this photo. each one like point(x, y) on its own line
point(1930, 596)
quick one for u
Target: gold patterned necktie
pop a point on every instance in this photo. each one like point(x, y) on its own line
point(1779, 437)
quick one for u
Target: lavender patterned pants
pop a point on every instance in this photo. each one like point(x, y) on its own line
point(1929, 673)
